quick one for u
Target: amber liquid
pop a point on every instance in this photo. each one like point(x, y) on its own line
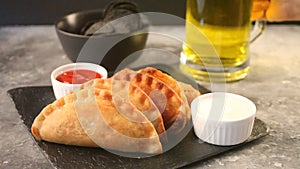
point(217, 39)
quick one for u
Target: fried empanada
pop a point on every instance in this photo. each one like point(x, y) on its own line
point(122, 86)
point(88, 117)
point(184, 113)
point(166, 99)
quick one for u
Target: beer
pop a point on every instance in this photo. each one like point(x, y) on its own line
point(223, 48)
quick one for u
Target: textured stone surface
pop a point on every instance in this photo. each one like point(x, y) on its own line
point(28, 55)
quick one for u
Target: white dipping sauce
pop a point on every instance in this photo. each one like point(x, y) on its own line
point(225, 107)
point(223, 118)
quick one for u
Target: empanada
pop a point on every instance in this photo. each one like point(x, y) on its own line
point(165, 98)
point(122, 87)
point(184, 114)
point(88, 116)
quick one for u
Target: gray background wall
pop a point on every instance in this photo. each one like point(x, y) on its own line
point(37, 12)
point(25, 12)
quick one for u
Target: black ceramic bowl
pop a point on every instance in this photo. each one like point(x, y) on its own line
point(69, 30)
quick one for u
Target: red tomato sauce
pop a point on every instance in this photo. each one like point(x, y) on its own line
point(78, 76)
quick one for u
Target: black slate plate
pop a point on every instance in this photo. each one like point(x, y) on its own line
point(29, 101)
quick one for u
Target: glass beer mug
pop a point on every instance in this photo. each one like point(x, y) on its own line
point(217, 39)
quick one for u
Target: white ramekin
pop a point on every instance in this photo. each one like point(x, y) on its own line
point(61, 89)
point(223, 118)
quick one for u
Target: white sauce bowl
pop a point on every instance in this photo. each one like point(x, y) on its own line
point(223, 118)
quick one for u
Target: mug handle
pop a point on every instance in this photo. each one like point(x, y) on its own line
point(257, 30)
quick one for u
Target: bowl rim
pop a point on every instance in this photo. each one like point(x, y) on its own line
point(209, 96)
point(144, 26)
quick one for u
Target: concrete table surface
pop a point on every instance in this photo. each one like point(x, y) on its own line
point(28, 54)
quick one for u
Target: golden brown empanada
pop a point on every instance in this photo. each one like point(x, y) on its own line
point(166, 99)
point(122, 87)
point(88, 116)
point(184, 114)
